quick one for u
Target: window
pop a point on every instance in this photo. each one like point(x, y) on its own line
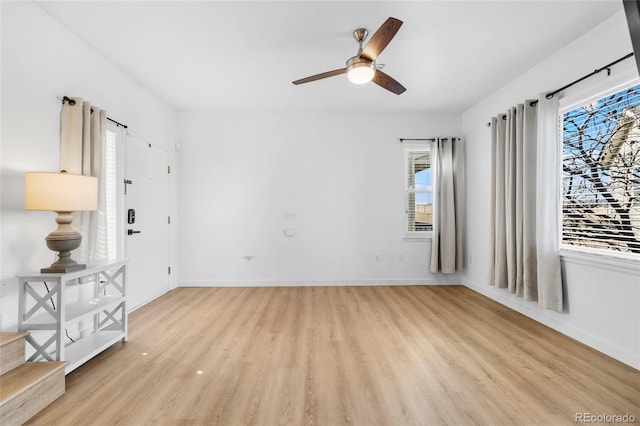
point(110, 238)
point(419, 191)
point(111, 195)
point(601, 173)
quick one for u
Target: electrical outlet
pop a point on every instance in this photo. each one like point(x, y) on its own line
point(376, 258)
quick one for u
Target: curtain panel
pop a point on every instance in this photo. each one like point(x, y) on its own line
point(446, 242)
point(83, 130)
point(524, 213)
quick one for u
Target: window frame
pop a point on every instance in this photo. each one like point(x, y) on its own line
point(414, 235)
point(627, 78)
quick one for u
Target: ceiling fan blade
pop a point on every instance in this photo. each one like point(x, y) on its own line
point(381, 39)
point(320, 76)
point(386, 82)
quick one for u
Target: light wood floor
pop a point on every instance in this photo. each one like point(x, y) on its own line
point(341, 355)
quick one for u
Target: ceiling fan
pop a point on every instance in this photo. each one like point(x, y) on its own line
point(362, 68)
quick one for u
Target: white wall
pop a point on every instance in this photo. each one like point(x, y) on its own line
point(603, 302)
point(336, 178)
point(41, 62)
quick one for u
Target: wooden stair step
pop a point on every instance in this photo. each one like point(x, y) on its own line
point(29, 388)
point(11, 349)
point(9, 336)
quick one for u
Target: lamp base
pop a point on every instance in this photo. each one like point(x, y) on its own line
point(63, 269)
point(63, 240)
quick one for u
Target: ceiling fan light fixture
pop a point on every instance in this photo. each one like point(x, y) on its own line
point(359, 70)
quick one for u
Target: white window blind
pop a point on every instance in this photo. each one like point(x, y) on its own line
point(419, 190)
point(601, 173)
point(111, 193)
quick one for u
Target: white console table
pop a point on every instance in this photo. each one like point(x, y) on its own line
point(106, 308)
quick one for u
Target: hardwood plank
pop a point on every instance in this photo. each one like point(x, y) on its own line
point(341, 355)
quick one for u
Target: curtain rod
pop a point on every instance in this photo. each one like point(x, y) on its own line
point(573, 83)
point(72, 103)
point(596, 71)
point(426, 139)
point(116, 123)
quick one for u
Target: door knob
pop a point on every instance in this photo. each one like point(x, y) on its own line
point(131, 232)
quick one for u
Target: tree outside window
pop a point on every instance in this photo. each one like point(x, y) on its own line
point(601, 173)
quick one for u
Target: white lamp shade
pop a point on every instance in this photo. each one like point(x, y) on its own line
point(60, 192)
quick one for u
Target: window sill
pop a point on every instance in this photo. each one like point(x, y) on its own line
point(624, 263)
point(417, 236)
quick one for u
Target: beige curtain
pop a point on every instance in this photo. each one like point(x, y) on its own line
point(83, 131)
point(523, 211)
point(446, 243)
point(548, 205)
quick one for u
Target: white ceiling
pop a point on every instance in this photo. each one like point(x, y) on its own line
point(199, 55)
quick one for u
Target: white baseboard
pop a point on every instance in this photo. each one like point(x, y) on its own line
point(317, 283)
point(533, 311)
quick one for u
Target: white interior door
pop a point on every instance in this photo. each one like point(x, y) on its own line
point(147, 237)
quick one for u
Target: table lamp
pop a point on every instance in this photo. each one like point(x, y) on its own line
point(62, 193)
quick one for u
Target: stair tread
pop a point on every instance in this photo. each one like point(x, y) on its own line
point(7, 337)
point(26, 375)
